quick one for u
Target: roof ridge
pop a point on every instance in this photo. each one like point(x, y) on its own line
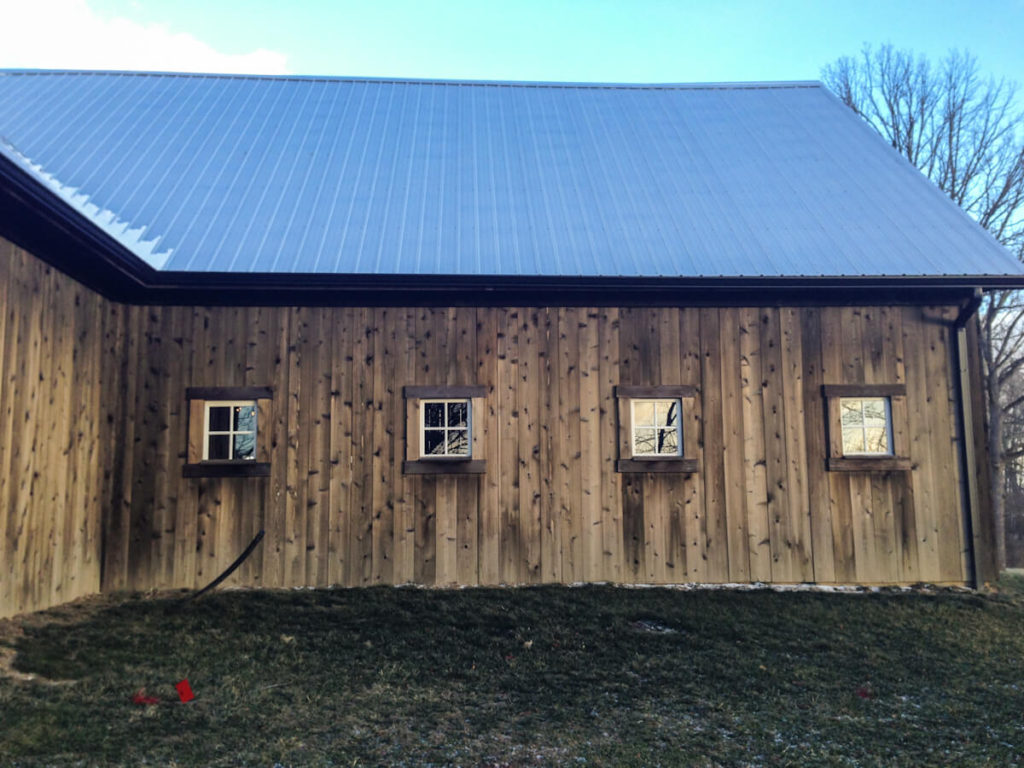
point(725, 85)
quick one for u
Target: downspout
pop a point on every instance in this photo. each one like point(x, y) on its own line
point(969, 496)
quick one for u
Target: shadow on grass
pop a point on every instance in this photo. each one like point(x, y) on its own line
point(546, 675)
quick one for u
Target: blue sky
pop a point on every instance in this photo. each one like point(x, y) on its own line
point(566, 40)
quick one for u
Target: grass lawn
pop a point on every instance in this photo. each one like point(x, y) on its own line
point(534, 676)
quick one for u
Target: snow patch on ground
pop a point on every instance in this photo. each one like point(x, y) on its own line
point(756, 586)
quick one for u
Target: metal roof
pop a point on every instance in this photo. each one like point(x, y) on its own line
point(361, 176)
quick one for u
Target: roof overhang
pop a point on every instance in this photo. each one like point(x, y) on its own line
point(37, 220)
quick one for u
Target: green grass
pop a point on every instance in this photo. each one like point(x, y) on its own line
point(516, 677)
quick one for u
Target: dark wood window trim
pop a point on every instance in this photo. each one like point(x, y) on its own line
point(195, 465)
point(864, 390)
point(869, 464)
point(417, 464)
point(228, 393)
point(442, 393)
point(836, 461)
point(681, 465)
point(625, 390)
point(686, 463)
point(444, 466)
point(227, 469)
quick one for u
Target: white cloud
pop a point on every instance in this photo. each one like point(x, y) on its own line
point(67, 34)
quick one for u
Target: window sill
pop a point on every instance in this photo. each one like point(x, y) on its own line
point(868, 464)
point(680, 465)
point(445, 467)
point(227, 469)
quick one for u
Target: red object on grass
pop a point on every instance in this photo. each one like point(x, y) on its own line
point(184, 690)
point(864, 692)
point(141, 698)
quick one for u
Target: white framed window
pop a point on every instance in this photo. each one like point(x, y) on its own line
point(229, 430)
point(446, 428)
point(223, 438)
point(656, 426)
point(866, 426)
point(652, 437)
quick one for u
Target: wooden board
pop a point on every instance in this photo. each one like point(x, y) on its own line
point(796, 443)
point(713, 470)
point(819, 503)
point(733, 445)
point(759, 551)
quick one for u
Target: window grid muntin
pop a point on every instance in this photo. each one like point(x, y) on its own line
point(232, 432)
point(446, 430)
point(884, 423)
point(660, 431)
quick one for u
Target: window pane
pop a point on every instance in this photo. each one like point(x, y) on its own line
point(457, 414)
point(668, 413)
point(644, 441)
point(850, 411)
point(220, 418)
point(668, 441)
point(245, 418)
point(866, 427)
point(219, 446)
point(853, 440)
point(433, 442)
point(874, 412)
point(245, 445)
point(458, 442)
point(877, 441)
point(643, 414)
point(433, 414)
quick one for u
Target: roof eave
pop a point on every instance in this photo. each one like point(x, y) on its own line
point(464, 290)
point(32, 216)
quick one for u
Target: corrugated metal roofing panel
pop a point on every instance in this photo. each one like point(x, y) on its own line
point(357, 176)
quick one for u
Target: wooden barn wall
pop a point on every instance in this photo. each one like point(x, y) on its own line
point(58, 343)
point(337, 508)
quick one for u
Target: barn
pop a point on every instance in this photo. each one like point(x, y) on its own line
point(478, 333)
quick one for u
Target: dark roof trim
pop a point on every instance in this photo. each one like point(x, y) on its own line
point(39, 221)
point(219, 288)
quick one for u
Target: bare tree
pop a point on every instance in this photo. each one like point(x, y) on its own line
point(966, 133)
point(1013, 449)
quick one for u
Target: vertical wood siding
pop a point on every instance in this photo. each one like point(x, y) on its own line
point(94, 430)
point(59, 343)
point(550, 508)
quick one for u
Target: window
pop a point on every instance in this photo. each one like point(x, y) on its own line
point(227, 432)
point(442, 430)
point(445, 428)
point(866, 427)
point(230, 433)
point(654, 435)
point(657, 427)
